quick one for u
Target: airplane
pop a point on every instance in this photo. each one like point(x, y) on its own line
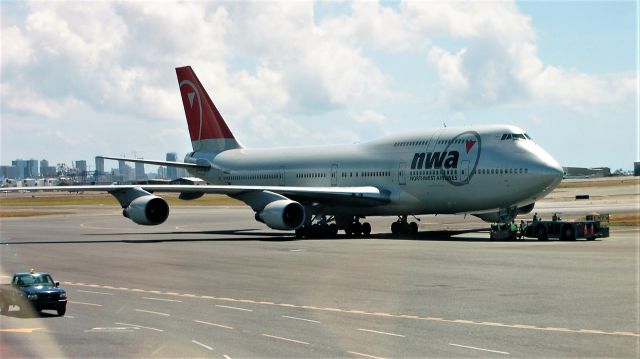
point(494, 172)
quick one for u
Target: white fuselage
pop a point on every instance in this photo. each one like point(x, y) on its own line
point(450, 170)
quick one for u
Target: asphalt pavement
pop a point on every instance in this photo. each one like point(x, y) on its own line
point(213, 282)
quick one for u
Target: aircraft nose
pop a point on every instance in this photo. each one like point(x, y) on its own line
point(548, 171)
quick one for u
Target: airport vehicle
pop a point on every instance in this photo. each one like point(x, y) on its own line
point(35, 290)
point(494, 172)
point(502, 232)
point(592, 227)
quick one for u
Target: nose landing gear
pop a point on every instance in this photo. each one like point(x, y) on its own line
point(401, 226)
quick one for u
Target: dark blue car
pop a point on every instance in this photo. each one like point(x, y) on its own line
point(35, 290)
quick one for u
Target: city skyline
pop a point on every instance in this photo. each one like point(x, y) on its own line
point(290, 74)
point(40, 168)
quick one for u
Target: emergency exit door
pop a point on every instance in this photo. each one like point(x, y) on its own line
point(402, 173)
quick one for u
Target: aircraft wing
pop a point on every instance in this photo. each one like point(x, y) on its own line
point(201, 166)
point(358, 196)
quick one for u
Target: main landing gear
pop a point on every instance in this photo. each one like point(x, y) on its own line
point(327, 227)
point(401, 226)
point(320, 229)
point(357, 229)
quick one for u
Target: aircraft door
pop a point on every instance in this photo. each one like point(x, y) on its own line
point(402, 173)
point(282, 174)
point(464, 172)
point(334, 175)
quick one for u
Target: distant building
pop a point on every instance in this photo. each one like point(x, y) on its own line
point(172, 172)
point(100, 165)
point(47, 171)
point(140, 175)
point(636, 168)
point(21, 168)
point(9, 172)
point(32, 169)
point(43, 164)
point(586, 172)
point(124, 171)
point(162, 172)
point(81, 166)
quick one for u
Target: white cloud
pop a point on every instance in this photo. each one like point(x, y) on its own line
point(276, 69)
point(500, 65)
point(15, 50)
point(368, 116)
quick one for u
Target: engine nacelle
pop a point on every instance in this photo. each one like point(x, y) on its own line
point(526, 209)
point(282, 214)
point(147, 210)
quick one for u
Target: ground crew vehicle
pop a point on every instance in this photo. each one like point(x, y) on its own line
point(592, 227)
point(502, 232)
point(34, 290)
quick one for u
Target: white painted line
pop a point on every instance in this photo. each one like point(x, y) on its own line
point(285, 339)
point(83, 303)
point(140, 326)
point(365, 355)
point(92, 292)
point(151, 312)
point(303, 319)
point(236, 308)
point(213, 324)
point(226, 357)
point(202, 345)
point(475, 348)
point(163, 300)
point(385, 333)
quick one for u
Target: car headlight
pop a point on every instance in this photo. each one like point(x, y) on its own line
point(63, 295)
point(32, 297)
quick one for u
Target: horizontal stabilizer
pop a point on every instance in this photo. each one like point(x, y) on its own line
point(200, 166)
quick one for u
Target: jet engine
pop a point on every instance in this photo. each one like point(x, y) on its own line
point(282, 214)
point(147, 210)
point(526, 209)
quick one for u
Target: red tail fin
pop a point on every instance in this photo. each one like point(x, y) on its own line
point(207, 128)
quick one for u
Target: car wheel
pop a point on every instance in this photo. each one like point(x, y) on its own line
point(62, 310)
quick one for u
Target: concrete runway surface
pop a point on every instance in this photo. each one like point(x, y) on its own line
point(211, 282)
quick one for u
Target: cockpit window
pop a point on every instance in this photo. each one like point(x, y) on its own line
point(515, 136)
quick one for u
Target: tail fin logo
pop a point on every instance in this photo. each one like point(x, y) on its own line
point(191, 96)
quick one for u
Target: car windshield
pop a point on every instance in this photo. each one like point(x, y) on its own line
point(33, 279)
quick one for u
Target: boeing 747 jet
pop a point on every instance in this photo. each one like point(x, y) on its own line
point(494, 172)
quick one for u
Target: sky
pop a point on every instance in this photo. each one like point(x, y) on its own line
point(80, 79)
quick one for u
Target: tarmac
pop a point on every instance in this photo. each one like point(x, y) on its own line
point(212, 282)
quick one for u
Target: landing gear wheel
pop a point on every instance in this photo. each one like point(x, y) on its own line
point(413, 228)
point(333, 230)
point(357, 229)
point(395, 227)
point(300, 232)
point(366, 229)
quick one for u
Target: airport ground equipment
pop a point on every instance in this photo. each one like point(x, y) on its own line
point(34, 290)
point(592, 227)
point(502, 232)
